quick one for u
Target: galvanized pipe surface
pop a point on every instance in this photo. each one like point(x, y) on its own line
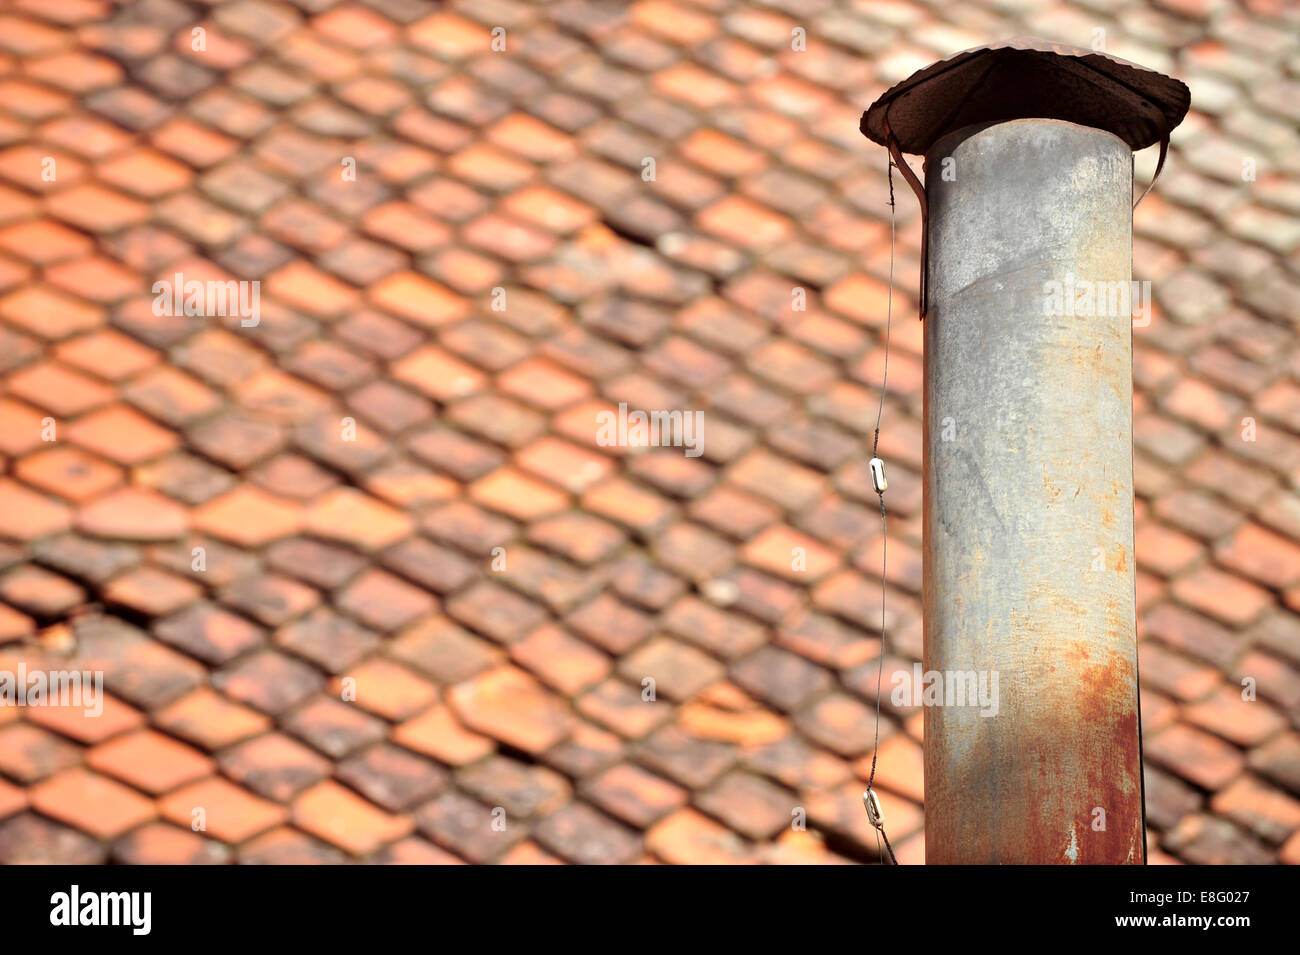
point(1029, 499)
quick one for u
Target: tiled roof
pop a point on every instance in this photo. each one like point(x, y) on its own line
point(361, 579)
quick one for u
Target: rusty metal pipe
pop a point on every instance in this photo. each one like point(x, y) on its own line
point(1029, 569)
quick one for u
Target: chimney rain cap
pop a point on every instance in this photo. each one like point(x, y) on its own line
point(1022, 78)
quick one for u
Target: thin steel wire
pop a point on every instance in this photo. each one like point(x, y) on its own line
point(884, 527)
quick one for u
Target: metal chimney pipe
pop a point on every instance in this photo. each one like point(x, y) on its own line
point(1028, 552)
point(1029, 566)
